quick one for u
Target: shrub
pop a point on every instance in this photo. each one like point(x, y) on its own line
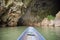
point(50, 17)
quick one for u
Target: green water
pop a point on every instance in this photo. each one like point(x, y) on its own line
point(12, 33)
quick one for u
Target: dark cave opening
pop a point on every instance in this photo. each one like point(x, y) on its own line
point(20, 22)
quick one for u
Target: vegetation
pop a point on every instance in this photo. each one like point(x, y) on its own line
point(50, 17)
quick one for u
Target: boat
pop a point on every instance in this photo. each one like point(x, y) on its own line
point(31, 34)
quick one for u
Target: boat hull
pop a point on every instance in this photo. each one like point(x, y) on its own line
point(31, 34)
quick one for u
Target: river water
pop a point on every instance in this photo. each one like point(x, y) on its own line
point(12, 33)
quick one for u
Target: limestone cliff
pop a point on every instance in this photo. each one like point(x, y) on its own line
point(25, 12)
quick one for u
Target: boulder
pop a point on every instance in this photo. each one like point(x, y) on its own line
point(56, 23)
point(51, 22)
point(57, 19)
point(57, 16)
point(45, 22)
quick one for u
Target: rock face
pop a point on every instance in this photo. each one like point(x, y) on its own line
point(10, 18)
point(2, 10)
point(45, 22)
point(58, 15)
point(40, 8)
point(15, 14)
point(35, 10)
point(51, 23)
point(57, 19)
point(2, 7)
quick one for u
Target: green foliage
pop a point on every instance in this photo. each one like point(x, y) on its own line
point(50, 17)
